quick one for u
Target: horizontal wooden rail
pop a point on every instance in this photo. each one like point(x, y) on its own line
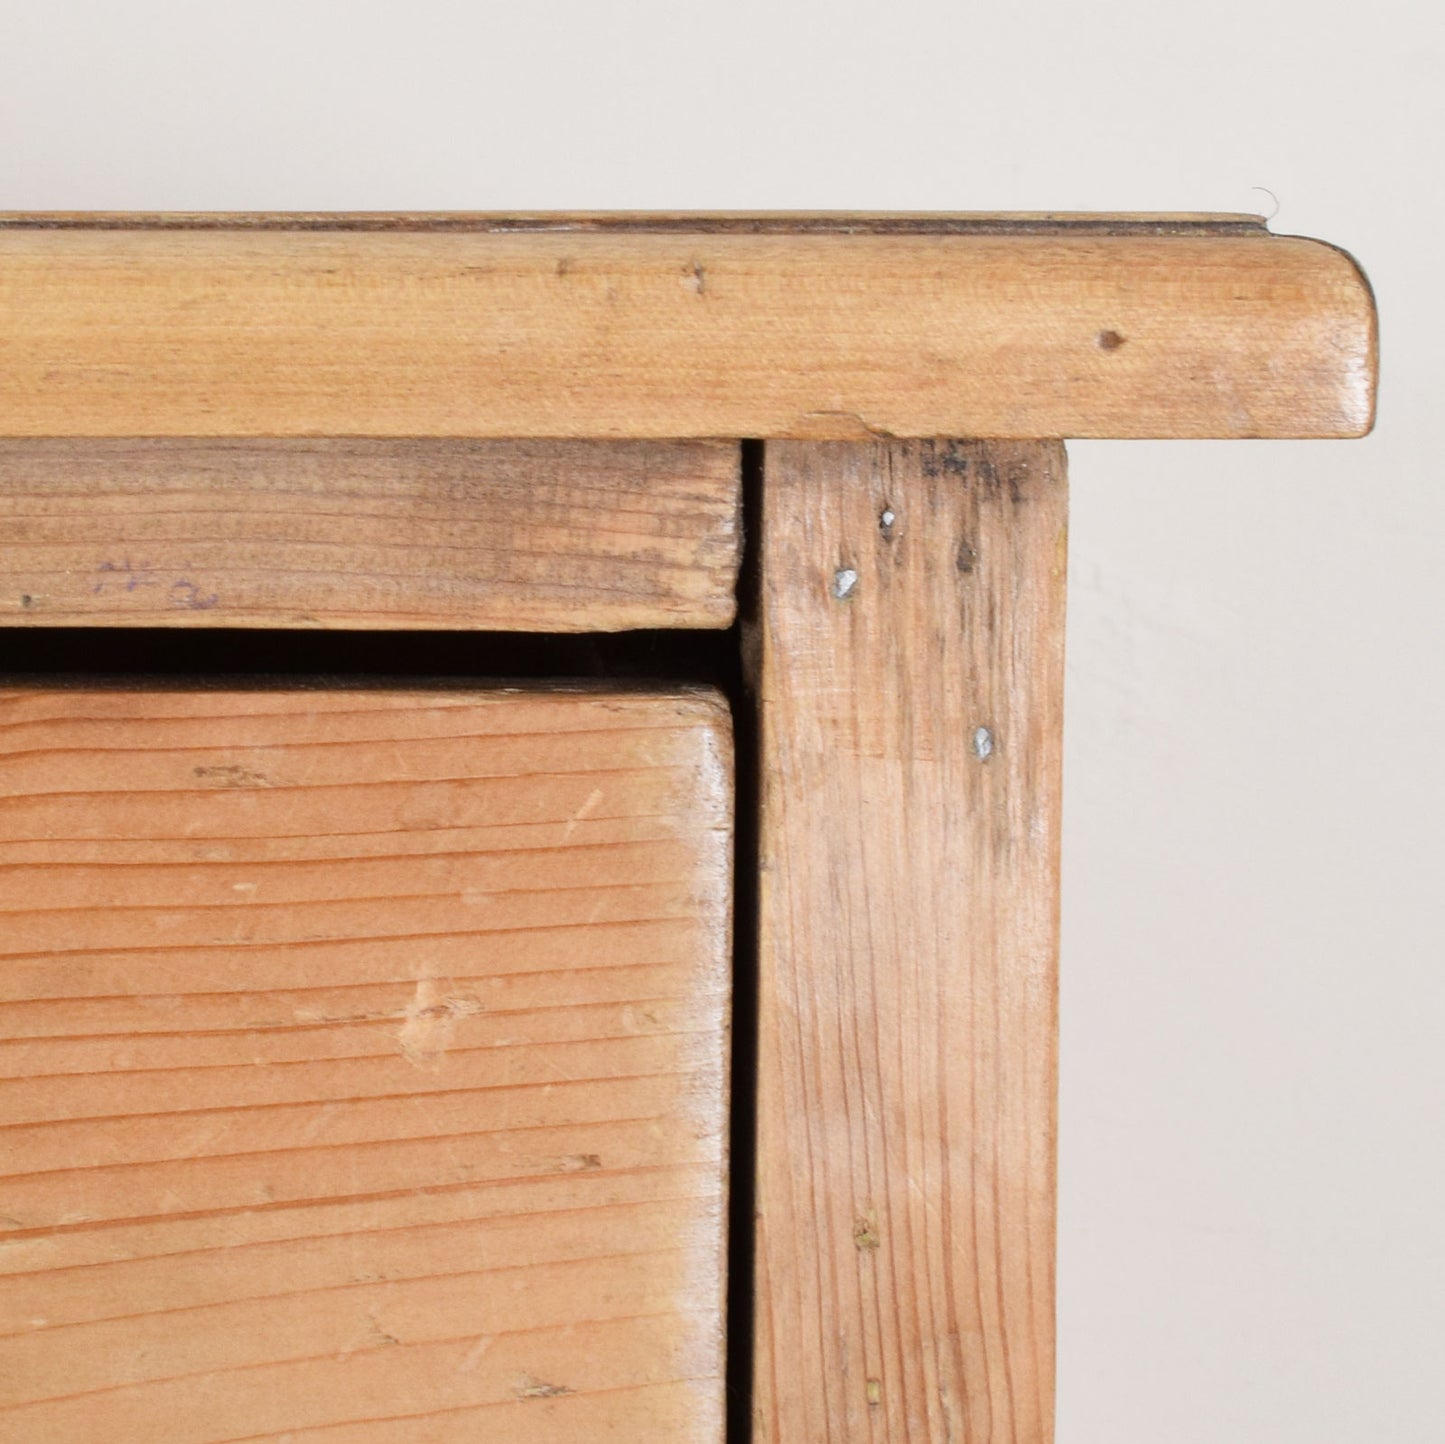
point(516, 536)
point(676, 327)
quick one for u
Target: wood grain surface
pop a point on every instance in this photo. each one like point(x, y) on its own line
point(911, 686)
point(500, 535)
point(586, 329)
point(363, 1073)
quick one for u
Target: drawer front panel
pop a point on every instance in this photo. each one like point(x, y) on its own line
point(363, 1064)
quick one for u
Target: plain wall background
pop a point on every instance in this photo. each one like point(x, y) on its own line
point(1252, 1234)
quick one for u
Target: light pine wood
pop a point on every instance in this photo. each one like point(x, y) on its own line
point(502, 535)
point(585, 327)
point(910, 690)
point(363, 1073)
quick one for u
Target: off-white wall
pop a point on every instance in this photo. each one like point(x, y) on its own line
point(1252, 1246)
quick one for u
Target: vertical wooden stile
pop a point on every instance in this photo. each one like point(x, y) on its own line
point(910, 684)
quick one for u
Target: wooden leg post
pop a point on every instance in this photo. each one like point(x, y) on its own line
point(910, 681)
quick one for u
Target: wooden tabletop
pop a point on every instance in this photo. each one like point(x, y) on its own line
point(662, 326)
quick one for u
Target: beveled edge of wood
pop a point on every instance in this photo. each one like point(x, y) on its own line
point(809, 326)
point(1368, 316)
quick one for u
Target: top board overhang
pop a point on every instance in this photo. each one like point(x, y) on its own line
point(636, 326)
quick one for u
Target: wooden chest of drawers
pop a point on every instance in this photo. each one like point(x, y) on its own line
point(529, 794)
